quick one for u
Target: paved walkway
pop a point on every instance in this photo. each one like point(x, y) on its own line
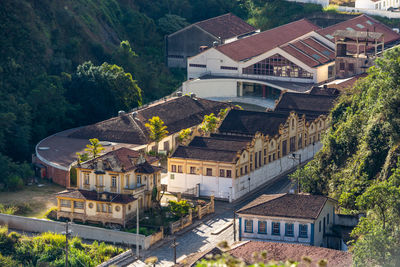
point(200, 238)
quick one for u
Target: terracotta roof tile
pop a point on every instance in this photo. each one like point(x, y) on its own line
point(311, 105)
point(260, 43)
point(285, 251)
point(367, 23)
point(93, 195)
point(177, 113)
point(226, 26)
point(201, 153)
point(250, 122)
point(286, 205)
point(122, 159)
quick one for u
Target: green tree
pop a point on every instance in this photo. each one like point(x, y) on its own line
point(171, 23)
point(209, 124)
point(94, 148)
point(157, 129)
point(101, 91)
point(184, 134)
point(179, 208)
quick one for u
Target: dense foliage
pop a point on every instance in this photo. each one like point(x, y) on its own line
point(66, 64)
point(48, 249)
point(359, 162)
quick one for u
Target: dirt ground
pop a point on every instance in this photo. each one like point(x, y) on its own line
point(38, 199)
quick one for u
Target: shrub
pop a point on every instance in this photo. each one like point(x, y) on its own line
point(14, 183)
point(8, 209)
point(51, 214)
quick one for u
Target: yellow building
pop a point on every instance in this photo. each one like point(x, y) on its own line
point(110, 187)
point(250, 148)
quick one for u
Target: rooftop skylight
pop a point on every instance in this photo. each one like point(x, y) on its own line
point(349, 29)
point(360, 26)
point(329, 36)
point(370, 22)
point(316, 56)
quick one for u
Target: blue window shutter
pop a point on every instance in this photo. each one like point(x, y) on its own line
point(252, 226)
point(258, 226)
point(286, 228)
point(312, 235)
point(240, 229)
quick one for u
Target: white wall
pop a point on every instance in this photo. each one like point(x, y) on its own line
point(267, 172)
point(209, 185)
point(372, 12)
point(211, 88)
point(83, 231)
point(268, 236)
point(323, 3)
point(318, 235)
point(231, 189)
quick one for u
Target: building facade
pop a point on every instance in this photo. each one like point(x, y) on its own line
point(230, 165)
point(289, 218)
point(377, 4)
point(111, 188)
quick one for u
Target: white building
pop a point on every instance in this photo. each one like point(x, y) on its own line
point(292, 57)
point(323, 3)
point(291, 218)
point(377, 4)
point(289, 57)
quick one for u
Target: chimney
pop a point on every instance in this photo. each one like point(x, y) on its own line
point(179, 93)
point(192, 95)
point(121, 113)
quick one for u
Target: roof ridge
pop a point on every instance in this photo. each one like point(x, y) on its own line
point(244, 208)
point(214, 18)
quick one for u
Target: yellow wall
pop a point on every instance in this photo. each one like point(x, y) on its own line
point(295, 127)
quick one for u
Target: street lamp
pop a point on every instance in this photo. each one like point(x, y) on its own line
point(294, 157)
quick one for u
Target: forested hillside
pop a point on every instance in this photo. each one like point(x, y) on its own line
point(46, 86)
point(359, 164)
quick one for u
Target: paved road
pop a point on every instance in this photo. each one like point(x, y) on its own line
point(200, 238)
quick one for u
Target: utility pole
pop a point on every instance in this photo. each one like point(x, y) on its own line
point(66, 244)
point(234, 226)
point(174, 245)
point(67, 233)
point(137, 228)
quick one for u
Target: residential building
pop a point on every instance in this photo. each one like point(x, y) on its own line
point(111, 187)
point(377, 4)
point(201, 35)
point(293, 57)
point(291, 218)
point(251, 148)
point(55, 154)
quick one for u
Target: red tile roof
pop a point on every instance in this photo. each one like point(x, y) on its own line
point(286, 205)
point(285, 251)
point(260, 43)
point(367, 24)
point(122, 158)
point(226, 26)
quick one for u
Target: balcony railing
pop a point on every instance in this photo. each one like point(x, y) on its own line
point(99, 188)
point(134, 190)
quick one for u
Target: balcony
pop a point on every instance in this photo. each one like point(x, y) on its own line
point(86, 186)
point(100, 188)
point(135, 190)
